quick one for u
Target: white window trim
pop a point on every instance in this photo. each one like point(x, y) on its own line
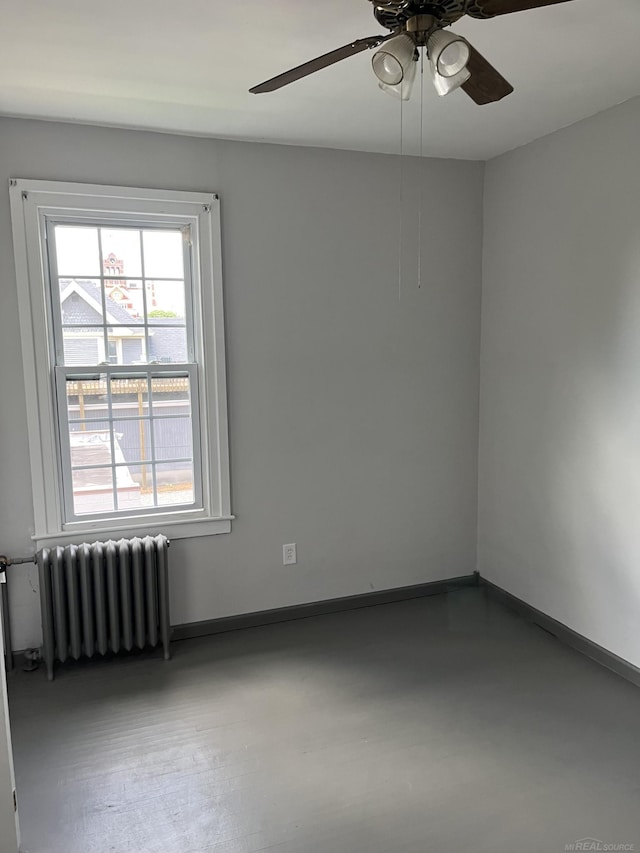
point(31, 201)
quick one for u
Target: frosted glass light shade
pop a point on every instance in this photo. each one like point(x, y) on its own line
point(403, 89)
point(448, 53)
point(394, 60)
point(446, 85)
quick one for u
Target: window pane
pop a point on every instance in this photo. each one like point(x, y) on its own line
point(135, 487)
point(92, 491)
point(174, 483)
point(168, 344)
point(81, 301)
point(124, 301)
point(121, 253)
point(165, 301)
point(129, 396)
point(90, 447)
point(134, 440)
point(77, 251)
point(172, 438)
point(83, 346)
point(126, 345)
point(163, 254)
point(171, 395)
point(87, 399)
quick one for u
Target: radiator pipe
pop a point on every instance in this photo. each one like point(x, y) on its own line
point(6, 628)
point(5, 562)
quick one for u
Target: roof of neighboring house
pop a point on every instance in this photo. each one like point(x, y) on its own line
point(167, 343)
point(78, 311)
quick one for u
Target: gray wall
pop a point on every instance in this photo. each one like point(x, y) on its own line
point(559, 489)
point(8, 817)
point(353, 416)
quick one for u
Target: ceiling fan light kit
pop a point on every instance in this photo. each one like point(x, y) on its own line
point(416, 25)
point(448, 55)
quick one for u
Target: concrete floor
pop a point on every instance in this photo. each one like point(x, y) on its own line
point(443, 724)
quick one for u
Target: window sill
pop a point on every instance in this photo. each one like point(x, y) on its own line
point(177, 529)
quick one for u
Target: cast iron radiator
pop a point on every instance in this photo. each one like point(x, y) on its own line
point(104, 597)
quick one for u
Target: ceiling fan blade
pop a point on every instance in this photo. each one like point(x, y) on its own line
point(486, 85)
point(491, 8)
point(323, 61)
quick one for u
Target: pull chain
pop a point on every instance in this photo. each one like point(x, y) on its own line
point(420, 194)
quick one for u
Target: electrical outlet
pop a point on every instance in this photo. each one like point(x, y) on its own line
point(289, 557)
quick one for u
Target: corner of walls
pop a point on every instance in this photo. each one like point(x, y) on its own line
point(559, 458)
point(480, 329)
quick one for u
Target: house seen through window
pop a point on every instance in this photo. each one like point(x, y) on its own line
point(121, 302)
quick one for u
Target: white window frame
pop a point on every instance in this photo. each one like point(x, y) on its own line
point(33, 205)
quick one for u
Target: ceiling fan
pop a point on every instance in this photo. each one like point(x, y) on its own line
point(454, 63)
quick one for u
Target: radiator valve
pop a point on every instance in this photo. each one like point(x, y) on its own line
point(32, 658)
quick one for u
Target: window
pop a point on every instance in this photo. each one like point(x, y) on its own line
point(122, 333)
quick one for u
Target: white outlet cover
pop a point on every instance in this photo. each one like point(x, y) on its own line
point(289, 556)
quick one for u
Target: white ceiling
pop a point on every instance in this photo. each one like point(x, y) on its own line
point(187, 66)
